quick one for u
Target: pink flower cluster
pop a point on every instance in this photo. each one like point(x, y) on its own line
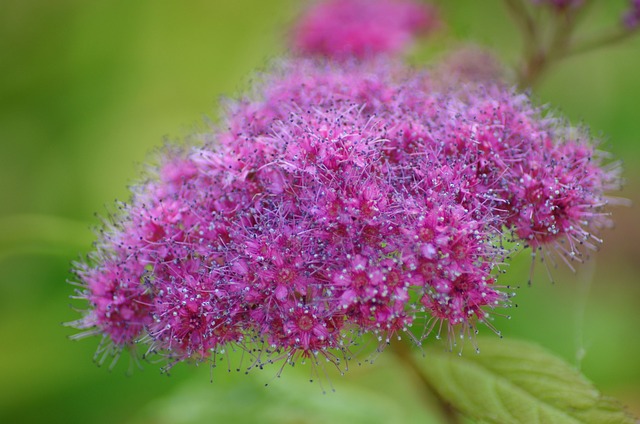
point(344, 200)
point(342, 29)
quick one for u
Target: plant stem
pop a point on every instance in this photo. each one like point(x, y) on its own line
point(539, 57)
point(520, 14)
point(406, 356)
point(602, 41)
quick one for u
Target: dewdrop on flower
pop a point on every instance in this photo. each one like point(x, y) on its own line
point(340, 200)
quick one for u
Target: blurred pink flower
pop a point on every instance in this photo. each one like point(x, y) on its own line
point(342, 29)
point(631, 18)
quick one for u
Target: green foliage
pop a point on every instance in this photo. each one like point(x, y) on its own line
point(517, 382)
point(363, 396)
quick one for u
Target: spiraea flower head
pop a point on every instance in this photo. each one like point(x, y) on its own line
point(340, 200)
point(342, 29)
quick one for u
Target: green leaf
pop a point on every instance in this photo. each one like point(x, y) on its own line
point(517, 382)
point(369, 394)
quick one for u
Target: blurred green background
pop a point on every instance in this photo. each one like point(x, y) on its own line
point(88, 88)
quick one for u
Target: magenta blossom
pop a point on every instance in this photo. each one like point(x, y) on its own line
point(346, 199)
point(342, 29)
